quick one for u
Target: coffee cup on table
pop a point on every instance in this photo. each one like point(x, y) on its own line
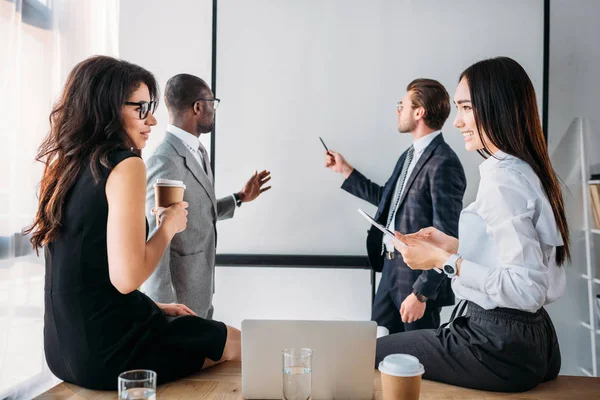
point(401, 377)
point(168, 192)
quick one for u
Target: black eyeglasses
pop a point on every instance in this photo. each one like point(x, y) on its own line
point(215, 102)
point(144, 106)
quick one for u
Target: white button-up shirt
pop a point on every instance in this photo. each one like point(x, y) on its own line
point(508, 239)
point(419, 145)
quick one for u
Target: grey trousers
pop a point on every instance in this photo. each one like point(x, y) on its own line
point(502, 350)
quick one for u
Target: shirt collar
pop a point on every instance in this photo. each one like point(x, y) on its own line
point(494, 160)
point(422, 143)
point(186, 137)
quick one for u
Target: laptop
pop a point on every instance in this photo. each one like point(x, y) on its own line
point(343, 361)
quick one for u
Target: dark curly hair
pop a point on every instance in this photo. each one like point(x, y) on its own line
point(86, 126)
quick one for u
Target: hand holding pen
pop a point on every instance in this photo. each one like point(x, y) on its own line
point(336, 162)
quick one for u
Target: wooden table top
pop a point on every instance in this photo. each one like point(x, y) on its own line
point(225, 382)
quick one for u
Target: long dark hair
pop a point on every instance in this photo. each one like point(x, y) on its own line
point(505, 108)
point(85, 128)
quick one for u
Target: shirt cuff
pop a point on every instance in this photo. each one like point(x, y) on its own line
point(473, 275)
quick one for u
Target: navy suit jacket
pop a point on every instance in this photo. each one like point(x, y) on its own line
point(432, 196)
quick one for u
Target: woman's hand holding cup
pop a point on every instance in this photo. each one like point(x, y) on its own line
point(174, 217)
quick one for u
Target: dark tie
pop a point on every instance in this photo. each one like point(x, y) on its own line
point(206, 162)
point(399, 186)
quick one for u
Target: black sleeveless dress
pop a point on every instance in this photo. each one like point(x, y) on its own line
point(92, 332)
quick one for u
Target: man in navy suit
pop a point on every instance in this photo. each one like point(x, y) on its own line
point(425, 189)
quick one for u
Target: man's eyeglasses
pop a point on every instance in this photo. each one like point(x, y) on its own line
point(400, 106)
point(144, 107)
point(215, 102)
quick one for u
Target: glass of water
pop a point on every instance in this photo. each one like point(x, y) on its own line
point(138, 384)
point(297, 374)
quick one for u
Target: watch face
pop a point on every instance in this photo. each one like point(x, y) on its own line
point(449, 269)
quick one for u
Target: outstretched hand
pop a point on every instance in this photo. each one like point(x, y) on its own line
point(336, 162)
point(255, 186)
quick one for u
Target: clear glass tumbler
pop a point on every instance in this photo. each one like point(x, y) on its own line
point(138, 384)
point(297, 374)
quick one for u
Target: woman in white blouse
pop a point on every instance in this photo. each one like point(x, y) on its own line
point(513, 240)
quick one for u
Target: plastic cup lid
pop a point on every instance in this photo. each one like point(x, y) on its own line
point(401, 365)
point(169, 182)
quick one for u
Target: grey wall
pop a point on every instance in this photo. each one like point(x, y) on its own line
point(574, 89)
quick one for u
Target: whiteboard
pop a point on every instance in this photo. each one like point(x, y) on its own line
point(291, 71)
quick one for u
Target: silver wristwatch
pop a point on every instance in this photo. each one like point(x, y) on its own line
point(450, 266)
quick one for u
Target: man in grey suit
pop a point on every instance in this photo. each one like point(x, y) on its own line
point(186, 271)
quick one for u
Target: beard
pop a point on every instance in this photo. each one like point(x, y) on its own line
point(407, 126)
point(206, 127)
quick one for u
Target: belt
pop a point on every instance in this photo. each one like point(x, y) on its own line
point(390, 255)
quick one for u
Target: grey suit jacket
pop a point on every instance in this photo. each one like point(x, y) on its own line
point(186, 271)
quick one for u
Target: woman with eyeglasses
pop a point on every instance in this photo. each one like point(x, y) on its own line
point(91, 223)
point(513, 241)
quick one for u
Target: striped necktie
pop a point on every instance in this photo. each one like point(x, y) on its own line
point(399, 187)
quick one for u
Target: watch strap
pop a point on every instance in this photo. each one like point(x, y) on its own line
point(238, 201)
point(451, 261)
point(421, 297)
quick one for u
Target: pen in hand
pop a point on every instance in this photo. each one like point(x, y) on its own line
point(324, 145)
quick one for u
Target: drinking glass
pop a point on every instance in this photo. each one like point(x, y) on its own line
point(297, 374)
point(138, 384)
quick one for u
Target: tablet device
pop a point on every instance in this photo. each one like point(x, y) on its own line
point(385, 231)
point(377, 225)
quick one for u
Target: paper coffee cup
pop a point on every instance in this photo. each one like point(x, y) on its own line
point(168, 192)
point(382, 331)
point(401, 377)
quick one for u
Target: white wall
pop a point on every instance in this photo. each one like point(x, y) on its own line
point(574, 90)
point(167, 38)
point(291, 293)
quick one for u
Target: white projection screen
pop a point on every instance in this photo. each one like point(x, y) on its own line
point(291, 71)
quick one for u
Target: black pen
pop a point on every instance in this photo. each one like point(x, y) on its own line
point(324, 145)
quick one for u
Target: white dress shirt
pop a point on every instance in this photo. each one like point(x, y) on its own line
point(192, 142)
point(508, 239)
point(419, 148)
